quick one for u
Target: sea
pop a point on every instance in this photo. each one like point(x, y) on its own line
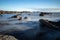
point(30, 27)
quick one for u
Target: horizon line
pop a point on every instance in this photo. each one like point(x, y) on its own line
point(38, 9)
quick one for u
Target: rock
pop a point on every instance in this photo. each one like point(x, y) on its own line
point(19, 17)
point(55, 23)
point(50, 24)
point(44, 13)
point(25, 17)
point(15, 16)
point(7, 37)
point(41, 14)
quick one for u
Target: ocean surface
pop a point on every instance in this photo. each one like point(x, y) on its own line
point(31, 26)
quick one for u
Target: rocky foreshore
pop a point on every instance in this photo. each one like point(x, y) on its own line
point(7, 37)
point(50, 24)
point(50, 30)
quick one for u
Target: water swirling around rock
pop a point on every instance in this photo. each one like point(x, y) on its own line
point(27, 30)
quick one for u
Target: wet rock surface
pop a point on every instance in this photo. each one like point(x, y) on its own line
point(7, 37)
point(48, 33)
point(55, 23)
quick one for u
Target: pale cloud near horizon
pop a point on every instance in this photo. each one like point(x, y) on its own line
point(31, 9)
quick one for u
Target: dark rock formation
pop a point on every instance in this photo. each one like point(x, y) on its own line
point(48, 32)
point(41, 14)
point(44, 13)
point(50, 24)
point(15, 16)
point(55, 23)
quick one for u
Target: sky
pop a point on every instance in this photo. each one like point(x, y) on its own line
point(18, 5)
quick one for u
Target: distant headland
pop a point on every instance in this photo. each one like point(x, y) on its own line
point(11, 12)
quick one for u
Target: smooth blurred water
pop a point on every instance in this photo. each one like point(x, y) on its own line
point(33, 18)
point(32, 24)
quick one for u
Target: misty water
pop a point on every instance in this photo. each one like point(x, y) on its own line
point(29, 27)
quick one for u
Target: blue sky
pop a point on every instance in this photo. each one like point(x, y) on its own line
point(18, 5)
